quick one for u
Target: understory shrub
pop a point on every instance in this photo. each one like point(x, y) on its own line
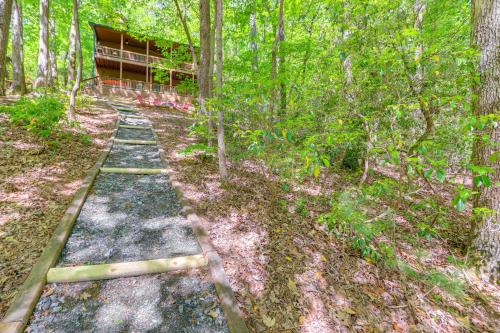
point(40, 115)
point(348, 220)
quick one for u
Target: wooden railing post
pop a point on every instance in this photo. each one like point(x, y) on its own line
point(121, 56)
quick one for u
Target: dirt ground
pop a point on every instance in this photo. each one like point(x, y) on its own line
point(38, 178)
point(290, 275)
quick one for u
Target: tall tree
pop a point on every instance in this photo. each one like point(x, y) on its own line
point(253, 37)
point(279, 36)
point(42, 75)
point(5, 14)
point(188, 34)
point(72, 52)
point(210, 122)
point(52, 52)
point(78, 48)
point(486, 38)
point(18, 79)
point(221, 146)
point(204, 67)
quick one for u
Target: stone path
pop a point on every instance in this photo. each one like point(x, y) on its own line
point(129, 218)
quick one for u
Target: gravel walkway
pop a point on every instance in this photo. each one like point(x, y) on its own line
point(129, 217)
point(135, 134)
point(134, 156)
point(176, 302)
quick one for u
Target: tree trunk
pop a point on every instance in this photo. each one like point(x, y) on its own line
point(52, 53)
point(5, 14)
point(212, 51)
point(78, 49)
point(210, 121)
point(221, 146)
point(280, 35)
point(486, 38)
point(72, 52)
point(204, 68)
point(43, 46)
point(18, 80)
point(253, 38)
point(188, 35)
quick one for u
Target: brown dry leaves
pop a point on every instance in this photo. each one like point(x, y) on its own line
point(288, 274)
point(37, 184)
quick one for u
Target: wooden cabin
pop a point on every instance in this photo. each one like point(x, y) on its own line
point(128, 67)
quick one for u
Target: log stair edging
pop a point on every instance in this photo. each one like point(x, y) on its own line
point(135, 142)
point(124, 269)
point(133, 171)
point(135, 127)
point(19, 312)
point(228, 302)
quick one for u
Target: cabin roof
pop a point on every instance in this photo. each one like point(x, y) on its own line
point(110, 34)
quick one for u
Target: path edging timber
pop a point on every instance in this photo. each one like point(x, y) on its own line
point(124, 269)
point(229, 304)
point(20, 310)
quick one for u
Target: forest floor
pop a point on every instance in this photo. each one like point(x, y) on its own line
point(38, 177)
point(288, 272)
point(291, 275)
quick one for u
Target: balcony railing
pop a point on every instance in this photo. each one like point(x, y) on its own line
point(136, 57)
point(135, 85)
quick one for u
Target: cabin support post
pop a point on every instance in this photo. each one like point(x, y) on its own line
point(121, 59)
point(171, 79)
point(147, 61)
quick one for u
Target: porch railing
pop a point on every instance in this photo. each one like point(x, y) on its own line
point(136, 57)
point(133, 85)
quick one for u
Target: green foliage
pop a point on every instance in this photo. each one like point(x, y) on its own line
point(347, 220)
point(41, 115)
point(300, 207)
point(84, 102)
point(451, 284)
point(199, 148)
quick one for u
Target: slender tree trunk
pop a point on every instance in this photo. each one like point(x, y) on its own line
point(486, 38)
point(417, 85)
point(5, 14)
point(212, 51)
point(204, 68)
point(78, 78)
point(280, 35)
point(210, 121)
point(18, 80)
point(43, 46)
point(253, 38)
point(221, 146)
point(72, 52)
point(188, 35)
point(52, 53)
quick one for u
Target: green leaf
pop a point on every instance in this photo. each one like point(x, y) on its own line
point(478, 180)
point(316, 171)
point(326, 161)
point(459, 204)
point(440, 175)
point(486, 180)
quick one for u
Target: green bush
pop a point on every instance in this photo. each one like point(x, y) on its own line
point(40, 115)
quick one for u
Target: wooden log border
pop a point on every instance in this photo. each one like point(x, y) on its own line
point(228, 302)
point(135, 127)
point(134, 171)
point(132, 116)
point(135, 142)
point(124, 269)
point(17, 316)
